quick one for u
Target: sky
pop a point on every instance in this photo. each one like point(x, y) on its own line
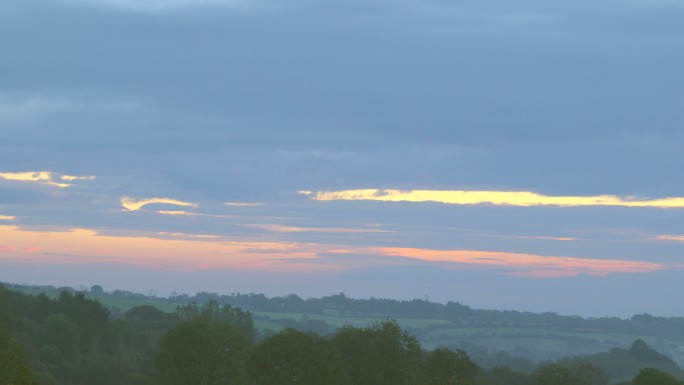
point(505, 155)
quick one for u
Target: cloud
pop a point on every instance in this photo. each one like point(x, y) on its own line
point(175, 212)
point(73, 177)
point(7, 217)
point(526, 264)
point(207, 251)
point(242, 204)
point(497, 198)
point(563, 239)
point(43, 177)
point(13, 107)
point(173, 251)
point(186, 235)
point(297, 229)
point(155, 6)
point(25, 107)
point(676, 238)
point(132, 204)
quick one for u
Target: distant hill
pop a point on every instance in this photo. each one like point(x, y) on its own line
point(624, 364)
point(492, 337)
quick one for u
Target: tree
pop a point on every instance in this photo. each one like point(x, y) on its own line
point(13, 367)
point(571, 372)
point(202, 351)
point(446, 367)
point(241, 320)
point(552, 374)
point(361, 355)
point(507, 376)
point(585, 373)
point(380, 354)
point(650, 376)
point(294, 357)
point(57, 331)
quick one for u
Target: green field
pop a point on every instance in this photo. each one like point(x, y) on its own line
point(530, 341)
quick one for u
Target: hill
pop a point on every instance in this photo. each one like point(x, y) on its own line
point(491, 336)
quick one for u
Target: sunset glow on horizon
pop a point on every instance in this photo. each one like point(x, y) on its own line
point(200, 251)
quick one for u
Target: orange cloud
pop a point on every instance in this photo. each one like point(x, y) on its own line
point(132, 204)
point(43, 177)
point(198, 251)
point(7, 217)
point(497, 198)
point(526, 264)
point(676, 238)
point(165, 250)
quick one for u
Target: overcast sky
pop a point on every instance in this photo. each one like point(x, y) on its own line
point(511, 155)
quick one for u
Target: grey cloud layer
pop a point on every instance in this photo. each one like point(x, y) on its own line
point(461, 74)
point(251, 101)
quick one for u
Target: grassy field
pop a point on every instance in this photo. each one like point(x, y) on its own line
point(528, 341)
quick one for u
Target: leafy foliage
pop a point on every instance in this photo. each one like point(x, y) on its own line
point(70, 339)
point(202, 351)
point(650, 376)
point(294, 357)
point(446, 367)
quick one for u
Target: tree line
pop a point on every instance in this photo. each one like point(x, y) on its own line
point(73, 340)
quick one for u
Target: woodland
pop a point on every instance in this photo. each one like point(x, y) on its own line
point(62, 336)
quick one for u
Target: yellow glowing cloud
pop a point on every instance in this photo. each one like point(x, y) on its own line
point(528, 264)
point(131, 204)
point(499, 198)
point(43, 177)
point(7, 217)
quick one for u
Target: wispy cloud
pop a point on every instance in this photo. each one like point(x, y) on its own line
point(156, 6)
point(562, 239)
point(186, 235)
point(175, 212)
point(675, 238)
point(297, 229)
point(498, 198)
point(526, 264)
point(166, 250)
point(74, 177)
point(26, 107)
point(132, 204)
point(7, 217)
point(242, 204)
point(44, 177)
point(204, 251)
